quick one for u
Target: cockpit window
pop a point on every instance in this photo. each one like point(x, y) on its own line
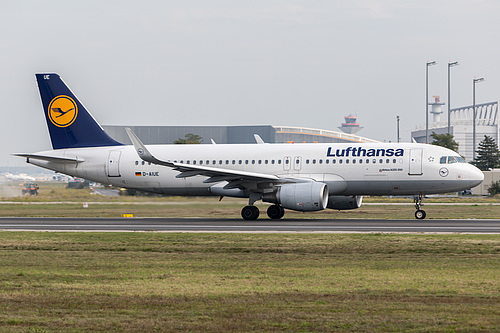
point(451, 159)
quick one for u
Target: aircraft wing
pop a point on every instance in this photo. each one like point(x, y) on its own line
point(234, 177)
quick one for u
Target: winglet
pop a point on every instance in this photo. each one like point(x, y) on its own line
point(258, 139)
point(142, 151)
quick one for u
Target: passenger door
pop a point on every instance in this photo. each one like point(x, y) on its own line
point(416, 161)
point(114, 163)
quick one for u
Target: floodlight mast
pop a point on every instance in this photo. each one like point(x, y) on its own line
point(450, 64)
point(429, 63)
point(474, 81)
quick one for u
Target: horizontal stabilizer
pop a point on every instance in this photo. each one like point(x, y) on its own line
point(56, 159)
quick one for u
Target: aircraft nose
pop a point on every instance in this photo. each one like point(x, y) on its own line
point(476, 176)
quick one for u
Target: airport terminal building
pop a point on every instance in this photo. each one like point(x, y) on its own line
point(461, 126)
point(233, 134)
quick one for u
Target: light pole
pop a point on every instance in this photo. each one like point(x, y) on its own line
point(450, 64)
point(429, 63)
point(474, 81)
point(397, 117)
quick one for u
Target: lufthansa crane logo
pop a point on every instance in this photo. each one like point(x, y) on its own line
point(62, 111)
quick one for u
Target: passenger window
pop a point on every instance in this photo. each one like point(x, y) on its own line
point(334, 161)
point(260, 161)
point(194, 162)
point(253, 161)
point(387, 161)
point(367, 160)
point(347, 161)
point(314, 161)
point(327, 161)
point(360, 161)
point(394, 161)
point(353, 161)
point(227, 162)
point(240, 162)
point(381, 161)
point(307, 161)
point(320, 161)
point(233, 162)
point(136, 162)
point(143, 163)
point(442, 160)
point(246, 161)
point(374, 161)
point(266, 162)
point(340, 161)
point(279, 161)
point(272, 161)
point(187, 162)
point(207, 162)
point(220, 161)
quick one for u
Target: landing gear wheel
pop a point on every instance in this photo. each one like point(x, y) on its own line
point(250, 213)
point(275, 212)
point(420, 214)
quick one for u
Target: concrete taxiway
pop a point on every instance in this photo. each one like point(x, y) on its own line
point(238, 225)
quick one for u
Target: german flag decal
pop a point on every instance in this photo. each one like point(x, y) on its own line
point(138, 173)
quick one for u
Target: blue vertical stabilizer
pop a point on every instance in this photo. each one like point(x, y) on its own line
point(70, 124)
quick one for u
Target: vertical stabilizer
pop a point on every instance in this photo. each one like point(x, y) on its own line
point(70, 124)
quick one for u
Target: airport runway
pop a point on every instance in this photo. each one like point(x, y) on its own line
point(239, 225)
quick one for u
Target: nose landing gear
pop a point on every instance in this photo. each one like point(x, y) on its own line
point(419, 214)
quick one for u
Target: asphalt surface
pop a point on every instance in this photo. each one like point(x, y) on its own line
point(239, 225)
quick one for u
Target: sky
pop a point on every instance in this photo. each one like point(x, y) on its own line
point(259, 62)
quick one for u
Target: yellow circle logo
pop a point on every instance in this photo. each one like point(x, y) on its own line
point(62, 111)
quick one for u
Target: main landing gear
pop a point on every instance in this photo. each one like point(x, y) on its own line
point(275, 212)
point(419, 214)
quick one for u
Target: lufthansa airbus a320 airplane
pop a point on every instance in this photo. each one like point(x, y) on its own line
point(301, 177)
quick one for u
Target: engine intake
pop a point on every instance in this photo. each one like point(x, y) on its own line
point(303, 197)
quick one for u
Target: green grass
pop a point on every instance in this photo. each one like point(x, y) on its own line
point(68, 203)
point(80, 282)
point(211, 207)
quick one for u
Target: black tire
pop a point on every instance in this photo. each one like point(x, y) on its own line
point(250, 213)
point(420, 214)
point(275, 212)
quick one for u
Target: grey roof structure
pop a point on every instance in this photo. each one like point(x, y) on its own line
point(233, 134)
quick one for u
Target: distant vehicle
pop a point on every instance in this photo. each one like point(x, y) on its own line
point(30, 188)
point(300, 177)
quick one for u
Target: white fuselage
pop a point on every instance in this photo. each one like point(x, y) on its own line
point(347, 169)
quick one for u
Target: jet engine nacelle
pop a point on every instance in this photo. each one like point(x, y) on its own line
point(304, 197)
point(342, 202)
